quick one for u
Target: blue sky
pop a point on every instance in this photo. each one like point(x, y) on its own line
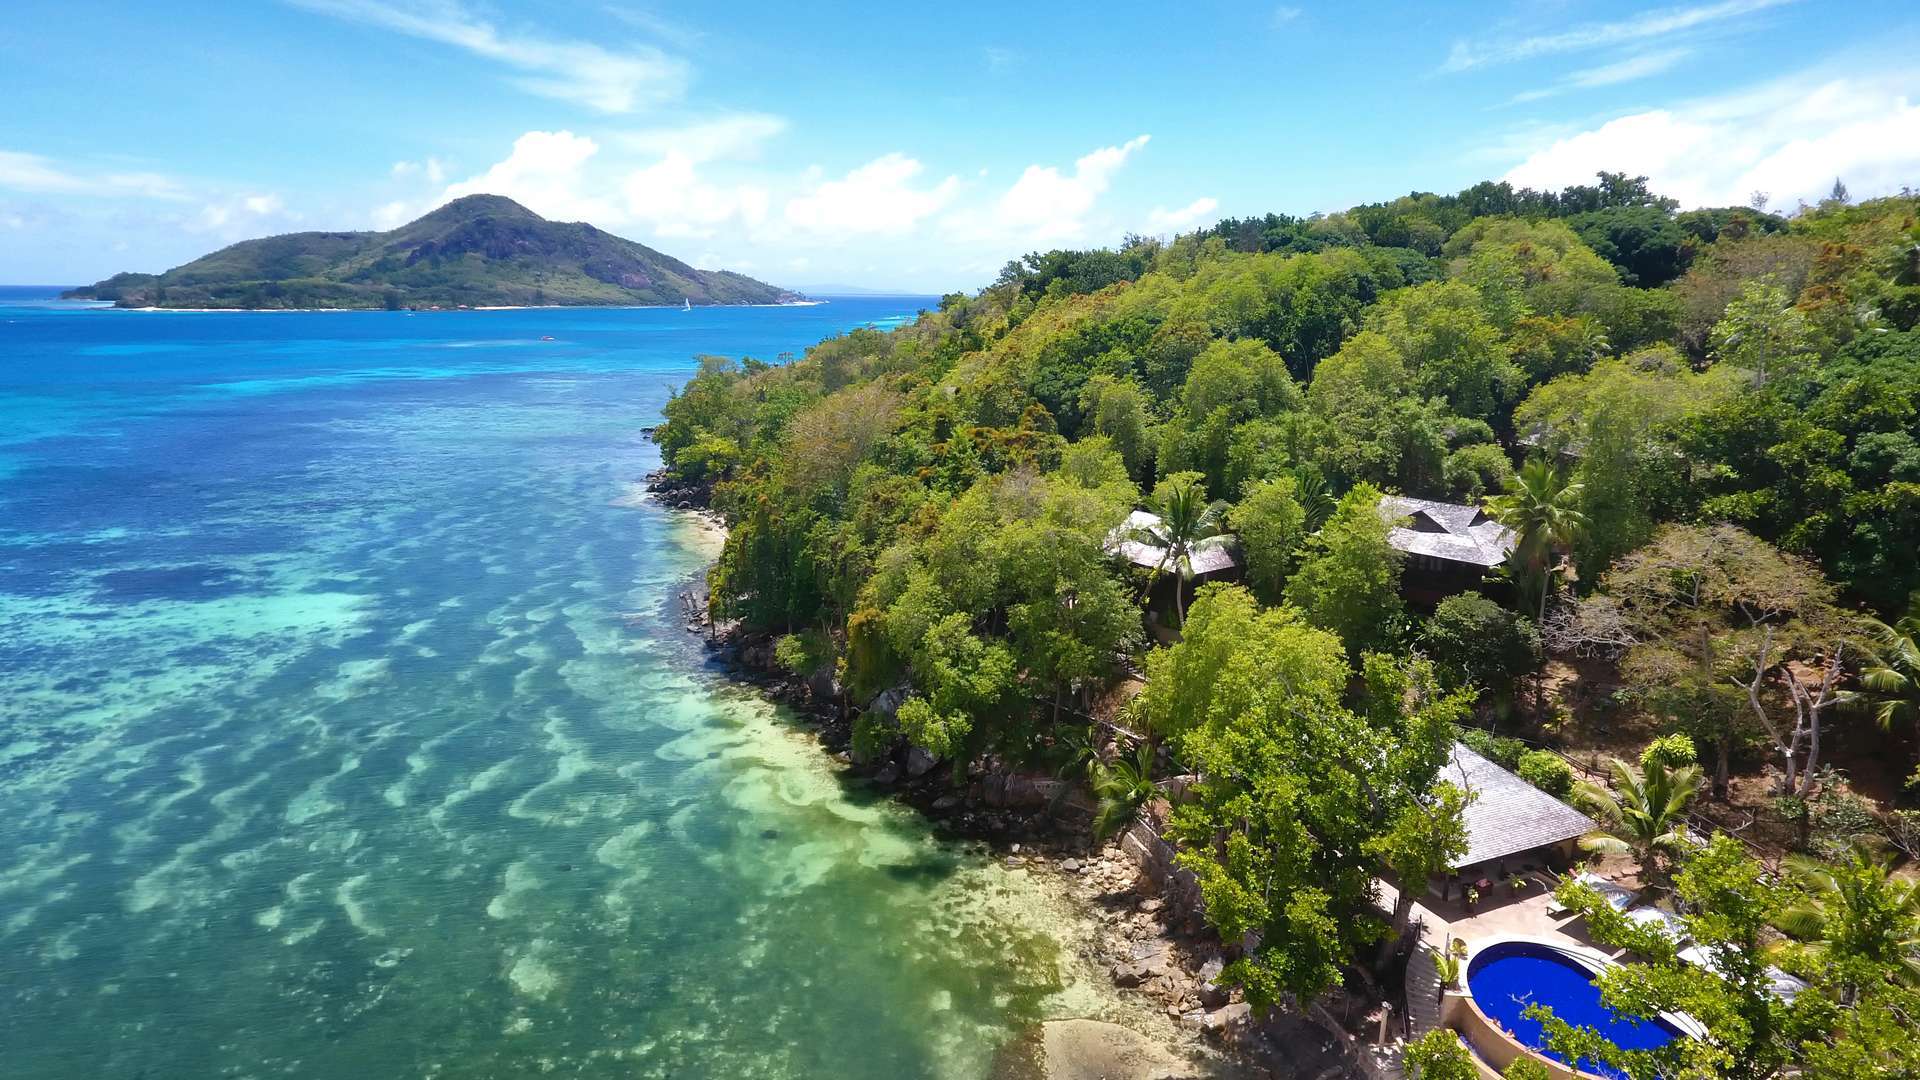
point(910, 146)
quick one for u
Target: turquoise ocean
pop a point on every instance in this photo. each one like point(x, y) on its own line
point(348, 730)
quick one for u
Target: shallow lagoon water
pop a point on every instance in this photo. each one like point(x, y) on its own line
point(347, 729)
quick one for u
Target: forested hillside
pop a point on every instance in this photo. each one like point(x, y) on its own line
point(1704, 428)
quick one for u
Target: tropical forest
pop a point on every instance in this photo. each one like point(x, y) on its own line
point(1251, 535)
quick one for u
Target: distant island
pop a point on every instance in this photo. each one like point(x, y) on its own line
point(477, 251)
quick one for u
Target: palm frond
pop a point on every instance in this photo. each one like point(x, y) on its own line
point(1603, 844)
point(1804, 921)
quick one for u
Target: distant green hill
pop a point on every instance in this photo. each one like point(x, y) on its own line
point(481, 250)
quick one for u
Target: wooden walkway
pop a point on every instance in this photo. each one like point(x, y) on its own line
point(1431, 933)
point(1423, 985)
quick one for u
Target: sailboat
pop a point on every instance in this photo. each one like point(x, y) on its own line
point(686, 304)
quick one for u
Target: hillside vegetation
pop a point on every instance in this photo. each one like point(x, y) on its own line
point(481, 250)
point(1704, 428)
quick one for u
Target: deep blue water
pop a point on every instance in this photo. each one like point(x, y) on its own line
point(347, 730)
point(1505, 979)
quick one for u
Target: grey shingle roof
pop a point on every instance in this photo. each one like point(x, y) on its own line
point(1510, 815)
point(1450, 531)
point(1209, 561)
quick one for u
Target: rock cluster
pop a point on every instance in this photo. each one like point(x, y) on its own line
point(1151, 946)
point(672, 491)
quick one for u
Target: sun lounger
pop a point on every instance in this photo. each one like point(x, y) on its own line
point(1619, 897)
point(1669, 924)
point(1699, 957)
point(1781, 984)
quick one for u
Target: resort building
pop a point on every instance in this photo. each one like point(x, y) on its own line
point(1142, 541)
point(1214, 563)
point(1512, 826)
point(1449, 547)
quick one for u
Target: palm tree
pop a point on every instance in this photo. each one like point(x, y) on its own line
point(1122, 788)
point(1646, 818)
point(1540, 507)
point(1189, 525)
point(1856, 910)
point(1310, 491)
point(1891, 675)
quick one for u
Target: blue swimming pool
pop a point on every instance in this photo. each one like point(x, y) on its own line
point(1506, 977)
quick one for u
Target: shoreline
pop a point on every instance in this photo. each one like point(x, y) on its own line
point(1160, 960)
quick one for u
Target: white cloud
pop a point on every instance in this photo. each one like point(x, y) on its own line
point(1641, 66)
point(694, 189)
point(394, 214)
point(1162, 220)
point(564, 176)
point(736, 135)
point(1647, 26)
point(1633, 67)
point(577, 71)
point(681, 36)
point(1285, 14)
point(433, 169)
point(878, 197)
point(1789, 138)
point(39, 175)
point(672, 195)
point(241, 217)
point(1046, 206)
point(546, 173)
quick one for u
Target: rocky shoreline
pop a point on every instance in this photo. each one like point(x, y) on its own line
point(1155, 947)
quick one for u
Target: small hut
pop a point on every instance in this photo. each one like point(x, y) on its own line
point(1216, 562)
point(1449, 547)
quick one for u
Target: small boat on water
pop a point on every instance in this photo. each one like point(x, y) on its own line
point(686, 304)
point(546, 337)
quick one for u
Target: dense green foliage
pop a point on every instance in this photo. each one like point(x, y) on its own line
point(1855, 1019)
point(1547, 771)
point(476, 251)
point(1302, 789)
point(1349, 579)
point(1702, 426)
point(1476, 642)
point(1438, 1055)
point(1525, 1068)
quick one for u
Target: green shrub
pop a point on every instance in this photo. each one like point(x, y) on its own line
point(1547, 771)
point(873, 735)
point(803, 653)
point(1525, 1068)
point(707, 458)
point(1476, 642)
point(1840, 819)
point(1498, 749)
point(1438, 1055)
point(1668, 752)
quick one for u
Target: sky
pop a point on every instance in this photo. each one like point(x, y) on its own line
point(909, 147)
